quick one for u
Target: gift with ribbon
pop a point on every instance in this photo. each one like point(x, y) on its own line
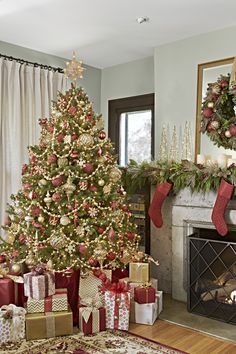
point(145, 294)
point(39, 283)
point(48, 325)
point(132, 285)
point(9, 288)
point(92, 315)
point(117, 304)
point(145, 313)
point(12, 323)
point(53, 303)
point(139, 272)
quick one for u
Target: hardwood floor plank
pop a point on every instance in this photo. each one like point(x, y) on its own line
point(185, 339)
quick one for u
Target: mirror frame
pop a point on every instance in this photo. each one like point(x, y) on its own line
point(201, 67)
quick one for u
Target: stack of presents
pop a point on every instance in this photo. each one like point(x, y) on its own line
point(43, 304)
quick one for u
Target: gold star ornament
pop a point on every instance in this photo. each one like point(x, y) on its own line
point(74, 69)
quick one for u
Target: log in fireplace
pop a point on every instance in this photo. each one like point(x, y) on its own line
point(212, 275)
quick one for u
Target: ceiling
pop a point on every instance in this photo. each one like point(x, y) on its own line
point(105, 32)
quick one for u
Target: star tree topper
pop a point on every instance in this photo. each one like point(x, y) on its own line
point(74, 69)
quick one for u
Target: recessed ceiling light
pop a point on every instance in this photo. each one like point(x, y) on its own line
point(142, 19)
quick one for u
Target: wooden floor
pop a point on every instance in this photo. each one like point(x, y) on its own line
point(182, 338)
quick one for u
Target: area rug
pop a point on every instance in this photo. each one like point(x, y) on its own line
point(115, 342)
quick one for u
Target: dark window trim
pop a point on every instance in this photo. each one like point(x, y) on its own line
point(128, 104)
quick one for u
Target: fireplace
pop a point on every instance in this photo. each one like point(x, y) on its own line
point(211, 281)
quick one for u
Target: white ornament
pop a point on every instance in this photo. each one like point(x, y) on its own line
point(101, 182)
point(41, 219)
point(227, 134)
point(42, 182)
point(64, 220)
point(67, 139)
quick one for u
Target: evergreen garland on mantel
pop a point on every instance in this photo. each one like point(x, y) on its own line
point(184, 174)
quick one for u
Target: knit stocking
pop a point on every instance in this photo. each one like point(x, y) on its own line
point(154, 210)
point(224, 194)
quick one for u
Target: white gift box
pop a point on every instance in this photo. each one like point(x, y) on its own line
point(159, 297)
point(153, 282)
point(12, 323)
point(146, 313)
point(117, 310)
point(89, 285)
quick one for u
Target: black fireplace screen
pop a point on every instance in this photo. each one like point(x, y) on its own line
point(212, 277)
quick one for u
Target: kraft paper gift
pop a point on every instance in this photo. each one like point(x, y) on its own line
point(51, 324)
point(139, 272)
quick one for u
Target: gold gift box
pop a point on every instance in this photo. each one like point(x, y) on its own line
point(139, 272)
point(51, 324)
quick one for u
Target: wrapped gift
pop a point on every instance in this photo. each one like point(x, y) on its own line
point(50, 324)
point(70, 281)
point(38, 286)
point(159, 296)
point(119, 273)
point(139, 272)
point(144, 294)
point(146, 313)
point(132, 285)
point(53, 303)
point(92, 316)
point(117, 304)
point(89, 285)
point(10, 288)
point(12, 323)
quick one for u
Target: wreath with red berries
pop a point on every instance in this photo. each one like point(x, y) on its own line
point(218, 118)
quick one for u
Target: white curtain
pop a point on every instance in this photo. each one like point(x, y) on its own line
point(26, 93)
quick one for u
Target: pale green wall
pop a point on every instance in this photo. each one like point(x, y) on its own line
point(92, 76)
point(125, 80)
point(176, 75)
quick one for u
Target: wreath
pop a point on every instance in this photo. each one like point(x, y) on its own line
point(218, 118)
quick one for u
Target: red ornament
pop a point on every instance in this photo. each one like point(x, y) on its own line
point(57, 181)
point(207, 112)
point(74, 137)
point(50, 128)
point(99, 153)
point(74, 154)
point(26, 186)
point(56, 197)
point(22, 238)
point(15, 253)
point(33, 159)
point(111, 235)
point(93, 188)
point(72, 111)
point(125, 208)
point(60, 138)
point(83, 248)
point(232, 130)
point(35, 210)
point(32, 195)
point(102, 135)
point(102, 277)
point(88, 168)
point(224, 83)
point(101, 230)
point(24, 169)
point(52, 159)
point(36, 224)
point(43, 121)
point(114, 204)
point(2, 258)
point(92, 262)
point(130, 236)
point(111, 256)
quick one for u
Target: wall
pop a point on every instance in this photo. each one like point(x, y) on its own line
point(176, 75)
point(125, 80)
point(92, 76)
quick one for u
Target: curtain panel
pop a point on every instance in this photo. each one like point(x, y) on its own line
point(26, 93)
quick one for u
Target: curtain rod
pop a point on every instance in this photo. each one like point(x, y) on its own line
point(22, 61)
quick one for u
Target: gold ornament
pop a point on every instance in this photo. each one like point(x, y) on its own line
point(100, 123)
point(69, 187)
point(101, 159)
point(62, 161)
point(86, 140)
point(210, 105)
point(107, 189)
point(15, 268)
point(59, 241)
point(10, 238)
point(74, 69)
point(42, 182)
point(30, 261)
point(101, 182)
point(47, 200)
point(115, 174)
point(41, 219)
point(100, 254)
point(64, 220)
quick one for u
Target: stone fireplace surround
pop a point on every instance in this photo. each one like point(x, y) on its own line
point(181, 214)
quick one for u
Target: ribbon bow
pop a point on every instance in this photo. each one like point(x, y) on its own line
point(91, 304)
point(13, 313)
point(40, 269)
point(146, 285)
point(119, 288)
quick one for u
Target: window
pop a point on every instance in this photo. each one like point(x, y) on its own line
point(131, 128)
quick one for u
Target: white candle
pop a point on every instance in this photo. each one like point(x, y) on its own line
point(231, 161)
point(201, 159)
point(222, 160)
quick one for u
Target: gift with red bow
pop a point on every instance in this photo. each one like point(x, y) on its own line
point(145, 294)
point(39, 283)
point(117, 304)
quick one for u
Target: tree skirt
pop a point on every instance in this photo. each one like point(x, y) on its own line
point(116, 342)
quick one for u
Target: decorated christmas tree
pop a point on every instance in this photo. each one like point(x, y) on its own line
point(71, 211)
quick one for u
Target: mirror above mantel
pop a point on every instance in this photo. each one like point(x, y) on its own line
point(209, 73)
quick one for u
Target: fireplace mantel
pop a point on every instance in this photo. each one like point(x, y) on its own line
point(181, 213)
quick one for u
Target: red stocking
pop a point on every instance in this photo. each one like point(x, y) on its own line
point(224, 194)
point(154, 210)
